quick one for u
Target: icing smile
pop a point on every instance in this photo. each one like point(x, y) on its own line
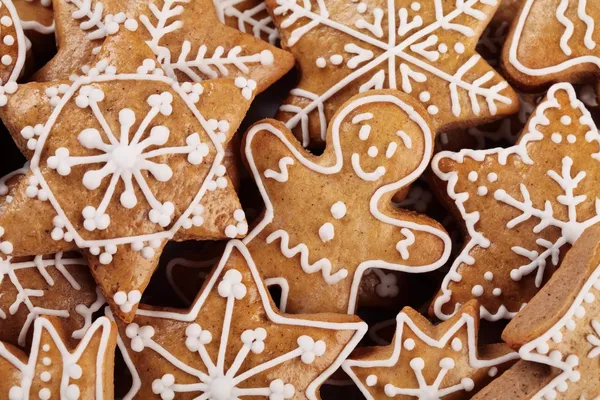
point(367, 176)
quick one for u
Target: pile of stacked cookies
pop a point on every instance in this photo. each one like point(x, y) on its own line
point(412, 212)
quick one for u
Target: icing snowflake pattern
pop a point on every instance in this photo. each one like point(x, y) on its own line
point(405, 54)
point(248, 16)
point(543, 226)
point(214, 373)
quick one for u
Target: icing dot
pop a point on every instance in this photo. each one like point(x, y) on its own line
point(589, 298)
point(542, 348)
point(336, 59)
point(6, 59)
point(456, 344)
point(321, 62)
point(424, 96)
point(571, 139)
point(556, 138)
point(557, 337)
point(326, 232)
point(493, 372)
point(488, 276)
point(497, 292)
point(44, 394)
point(565, 120)
point(131, 25)
point(46, 361)
point(409, 344)
point(473, 176)
point(415, 6)
point(459, 48)
point(492, 177)
point(555, 355)
point(571, 325)
point(482, 190)
point(361, 8)
point(46, 347)
point(442, 48)
point(45, 376)
point(477, 290)
point(372, 152)
point(371, 380)
point(338, 210)
point(8, 40)
point(6, 21)
point(433, 110)
point(580, 312)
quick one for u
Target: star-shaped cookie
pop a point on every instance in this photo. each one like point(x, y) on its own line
point(523, 206)
point(553, 41)
point(123, 159)
point(186, 37)
point(58, 369)
point(424, 48)
point(232, 343)
point(330, 218)
point(427, 361)
point(560, 327)
point(12, 49)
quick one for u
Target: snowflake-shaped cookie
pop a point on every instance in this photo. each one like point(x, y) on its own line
point(144, 155)
point(56, 369)
point(523, 206)
point(317, 234)
point(232, 344)
point(553, 41)
point(429, 362)
point(188, 50)
point(561, 325)
point(425, 48)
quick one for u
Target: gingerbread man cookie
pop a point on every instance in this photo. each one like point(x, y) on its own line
point(560, 327)
point(188, 51)
point(429, 362)
point(424, 48)
point(316, 234)
point(553, 41)
point(523, 206)
point(144, 154)
point(232, 343)
point(57, 369)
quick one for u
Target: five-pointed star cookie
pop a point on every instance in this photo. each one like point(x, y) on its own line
point(57, 368)
point(429, 362)
point(560, 327)
point(249, 16)
point(186, 36)
point(553, 41)
point(232, 343)
point(330, 218)
point(426, 48)
point(523, 206)
point(123, 159)
point(59, 285)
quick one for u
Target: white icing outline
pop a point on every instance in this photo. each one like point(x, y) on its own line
point(403, 320)
point(471, 219)
point(360, 328)
point(330, 170)
point(227, 8)
point(20, 43)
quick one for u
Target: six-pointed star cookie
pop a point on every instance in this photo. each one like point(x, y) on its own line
point(553, 41)
point(57, 368)
point(522, 206)
point(232, 343)
point(560, 327)
point(424, 47)
point(186, 36)
point(143, 155)
point(427, 361)
point(330, 218)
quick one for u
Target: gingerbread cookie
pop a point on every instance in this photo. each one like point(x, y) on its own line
point(232, 343)
point(12, 49)
point(315, 233)
point(37, 20)
point(522, 206)
point(553, 41)
point(560, 327)
point(424, 48)
point(248, 16)
point(186, 37)
point(57, 369)
point(427, 361)
point(144, 155)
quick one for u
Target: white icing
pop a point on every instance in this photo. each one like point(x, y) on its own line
point(338, 210)
point(326, 232)
point(256, 17)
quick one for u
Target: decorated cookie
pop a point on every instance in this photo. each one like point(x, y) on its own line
point(322, 211)
point(424, 48)
point(185, 35)
point(560, 327)
point(37, 20)
point(57, 369)
point(144, 155)
point(523, 206)
point(553, 41)
point(232, 343)
point(429, 362)
point(12, 49)
point(248, 16)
